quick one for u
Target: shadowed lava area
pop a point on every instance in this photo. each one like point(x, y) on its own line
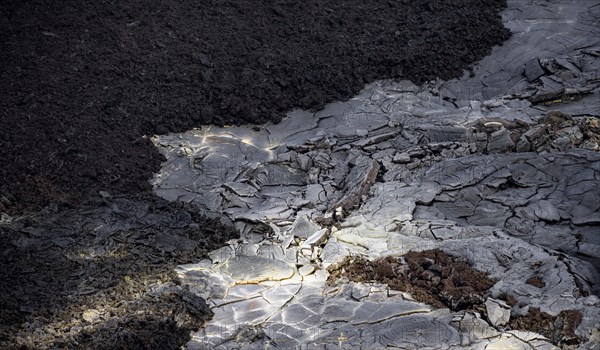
point(101, 276)
point(84, 81)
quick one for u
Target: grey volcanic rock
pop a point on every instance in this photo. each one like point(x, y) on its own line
point(358, 182)
point(532, 69)
point(546, 211)
point(303, 227)
point(498, 312)
point(500, 142)
point(482, 167)
point(254, 269)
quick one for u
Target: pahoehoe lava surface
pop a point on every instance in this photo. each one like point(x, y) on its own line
point(83, 82)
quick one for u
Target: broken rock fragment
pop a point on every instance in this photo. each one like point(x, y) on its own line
point(303, 227)
point(500, 142)
point(358, 182)
point(254, 269)
point(498, 312)
point(532, 70)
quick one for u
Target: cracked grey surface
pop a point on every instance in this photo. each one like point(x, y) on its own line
point(475, 166)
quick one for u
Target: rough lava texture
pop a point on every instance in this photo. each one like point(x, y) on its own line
point(100, 276)
point(432, 277)
point(438, 279)
point(84, 81)
point(500, 169)
point(560, 329)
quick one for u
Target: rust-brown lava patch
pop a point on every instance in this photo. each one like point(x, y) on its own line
point(430, 276)
point(441, 280)
point(536, 281)
point(559, 329)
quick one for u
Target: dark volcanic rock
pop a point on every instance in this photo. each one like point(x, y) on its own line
point(84, 81)
point(100, 276)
